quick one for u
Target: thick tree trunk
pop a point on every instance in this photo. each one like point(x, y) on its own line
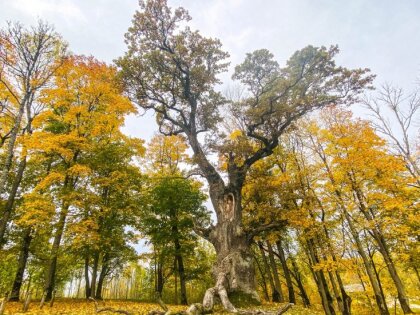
point(234, 270)
point(23, 259)
point(52, 269)
point(276, 277)
point(289, 283)
point(10, 200)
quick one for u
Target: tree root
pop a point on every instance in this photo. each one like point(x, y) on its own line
point(220, 290)
point(108, 309)
point(208, 303)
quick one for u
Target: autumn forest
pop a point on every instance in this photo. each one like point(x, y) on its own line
point(271, 197)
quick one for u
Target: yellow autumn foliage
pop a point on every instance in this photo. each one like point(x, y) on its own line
point(36, 210)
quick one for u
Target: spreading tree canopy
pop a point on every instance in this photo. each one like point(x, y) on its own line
point(174, 70)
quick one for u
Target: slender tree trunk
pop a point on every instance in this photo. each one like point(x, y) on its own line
point(380, 301)
point(327, 300)
point(182, 281)
point(346, 298)
point(416, 271)
point(102, 275)
point(274, 292)
point(127, 288)
point(383, 249)
point(336, 292)
point(378, 278)
point(264, 282)
point(78, 286)
point(359, 275)
point(176, 282)
point(160, 281)
point(275, 272)
point(289, 283)
point(52, 269)
point(179, 259)
point(11, 144)
point(94, 274)
point(297, 275)
point(23, 259)
point(87, 280)
point(343, 300)
point(10, 200)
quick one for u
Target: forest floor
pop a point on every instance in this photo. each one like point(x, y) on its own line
point(83, 307)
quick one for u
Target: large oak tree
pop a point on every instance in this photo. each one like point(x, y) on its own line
point(173, 71)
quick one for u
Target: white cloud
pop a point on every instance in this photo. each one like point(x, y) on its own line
point(63, 9)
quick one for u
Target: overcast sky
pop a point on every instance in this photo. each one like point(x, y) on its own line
point(383, 35)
